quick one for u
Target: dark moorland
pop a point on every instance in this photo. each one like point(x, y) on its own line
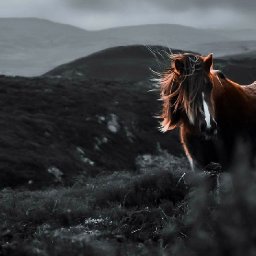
point(85, 171)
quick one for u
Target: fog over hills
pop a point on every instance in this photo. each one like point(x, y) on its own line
point(31, 46)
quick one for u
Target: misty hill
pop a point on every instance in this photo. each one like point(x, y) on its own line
point(133, 63)
point(32, 46)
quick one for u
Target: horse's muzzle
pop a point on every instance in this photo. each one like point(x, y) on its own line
point(208, 132)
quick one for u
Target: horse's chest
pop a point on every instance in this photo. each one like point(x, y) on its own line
point(202, 150)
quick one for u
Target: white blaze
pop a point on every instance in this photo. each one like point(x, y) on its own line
point(206, 113)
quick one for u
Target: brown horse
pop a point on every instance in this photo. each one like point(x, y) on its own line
point(212, 112)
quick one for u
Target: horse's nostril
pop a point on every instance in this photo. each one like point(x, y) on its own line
point(203, 127)
point(208, 131)
point(214, 124)
point(211, 131)
point(214, 128)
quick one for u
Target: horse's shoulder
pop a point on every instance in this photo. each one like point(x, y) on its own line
point(250, 88)
point(250, 91)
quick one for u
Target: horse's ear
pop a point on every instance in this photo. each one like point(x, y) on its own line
point(208, 62)
point(178, 66)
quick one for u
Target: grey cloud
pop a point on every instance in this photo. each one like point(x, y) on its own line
point(204, 4)
point(99, 14)
point(172, 5)
point(98, 5)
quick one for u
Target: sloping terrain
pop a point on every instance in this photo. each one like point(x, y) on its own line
point(54, 129)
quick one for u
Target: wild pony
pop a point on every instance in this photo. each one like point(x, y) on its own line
point(212, 111)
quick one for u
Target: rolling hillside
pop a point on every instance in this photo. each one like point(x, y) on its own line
point(53, 130)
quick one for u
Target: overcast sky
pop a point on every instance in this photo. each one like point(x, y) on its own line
point(100, 14)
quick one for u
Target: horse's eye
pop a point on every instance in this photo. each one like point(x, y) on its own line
point(221, 75)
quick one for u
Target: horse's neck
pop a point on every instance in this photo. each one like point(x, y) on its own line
point(231, 101)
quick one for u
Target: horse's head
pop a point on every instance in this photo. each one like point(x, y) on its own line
point(186, 91)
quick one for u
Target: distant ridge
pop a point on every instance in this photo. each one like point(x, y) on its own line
point(31, 47)
point(35, 21)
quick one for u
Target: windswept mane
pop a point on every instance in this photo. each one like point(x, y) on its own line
point(179, 87)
